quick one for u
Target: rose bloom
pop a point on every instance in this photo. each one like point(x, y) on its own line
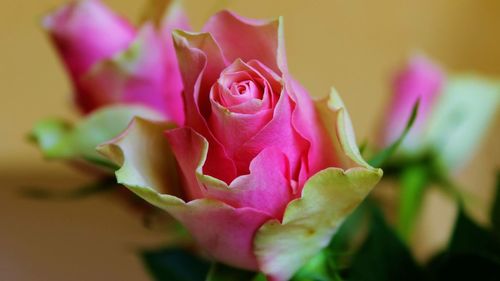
point(267, 174)
point(112, 62)
point(453, 115)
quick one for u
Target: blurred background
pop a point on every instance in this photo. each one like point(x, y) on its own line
point(355, 45)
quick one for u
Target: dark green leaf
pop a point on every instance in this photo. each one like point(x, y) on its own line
point(383, 256)
point(380, 158)
point(221, 272)
point(468, 237)
point(172, 264)
point(495, 211)
point(463, 266)
point(472, 253)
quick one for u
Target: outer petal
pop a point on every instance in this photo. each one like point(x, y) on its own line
point(336, 120)
point(327, 199)
point(146, 167)
point(59, 140)
point(461, 117)
point(309, 125)
point(135, 76)
point(311, 221)
point(420, 80)
point(245, 39)
point(85, 32)
point(175, 18)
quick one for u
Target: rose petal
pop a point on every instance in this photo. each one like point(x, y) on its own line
point(420, 80)
point(320, 151)
point(245, 39)
point(59, 140)
point(85, 32)
point(233, 129)
point(147, 167)
point(333, 112)
point(201, 62)
point(327, 199)
point(269, 168)
point(311, 221)
point(135, 76)
point(279, 132)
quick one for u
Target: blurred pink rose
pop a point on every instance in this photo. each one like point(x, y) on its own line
point(422, 80)
point(267, 178)
point(454, 114)
point(111, 62)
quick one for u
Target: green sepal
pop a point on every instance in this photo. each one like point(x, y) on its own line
point(58, 139)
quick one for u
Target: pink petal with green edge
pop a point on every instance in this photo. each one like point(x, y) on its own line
point(201, 62)
point(310, 222)
point(245, 39)
point(307, 122)
point(60, 140)
point(148, 169)
point(337, 122)
point(135, 76)
point(327, 199)
point(85, 32)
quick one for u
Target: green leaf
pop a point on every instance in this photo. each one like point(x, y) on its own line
point(468, 237)
point(221, 272)
point(173, 264)
point(413, 181)
point(466, 267)
point(495, 210)
point(380, 158)
point(472, 253)
point(383, 256)
point(58, 139)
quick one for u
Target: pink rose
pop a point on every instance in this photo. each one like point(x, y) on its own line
point(268, 175)
point(453, 115)
point(420, 80)
point(111, 62)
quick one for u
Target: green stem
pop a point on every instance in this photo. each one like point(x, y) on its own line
point(414, 179)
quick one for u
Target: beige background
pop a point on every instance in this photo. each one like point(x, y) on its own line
point(352, 44)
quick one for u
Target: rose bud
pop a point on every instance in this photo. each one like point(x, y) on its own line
point(111, 62)
point(453, 113)
point(268, 175)
point(118, 72)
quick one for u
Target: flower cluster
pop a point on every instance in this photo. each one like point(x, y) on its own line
point(212, 128)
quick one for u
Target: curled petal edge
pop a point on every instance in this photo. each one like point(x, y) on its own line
point(148, 168)
point(327, 199)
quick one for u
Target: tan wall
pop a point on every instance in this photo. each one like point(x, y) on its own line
point(352, 44)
